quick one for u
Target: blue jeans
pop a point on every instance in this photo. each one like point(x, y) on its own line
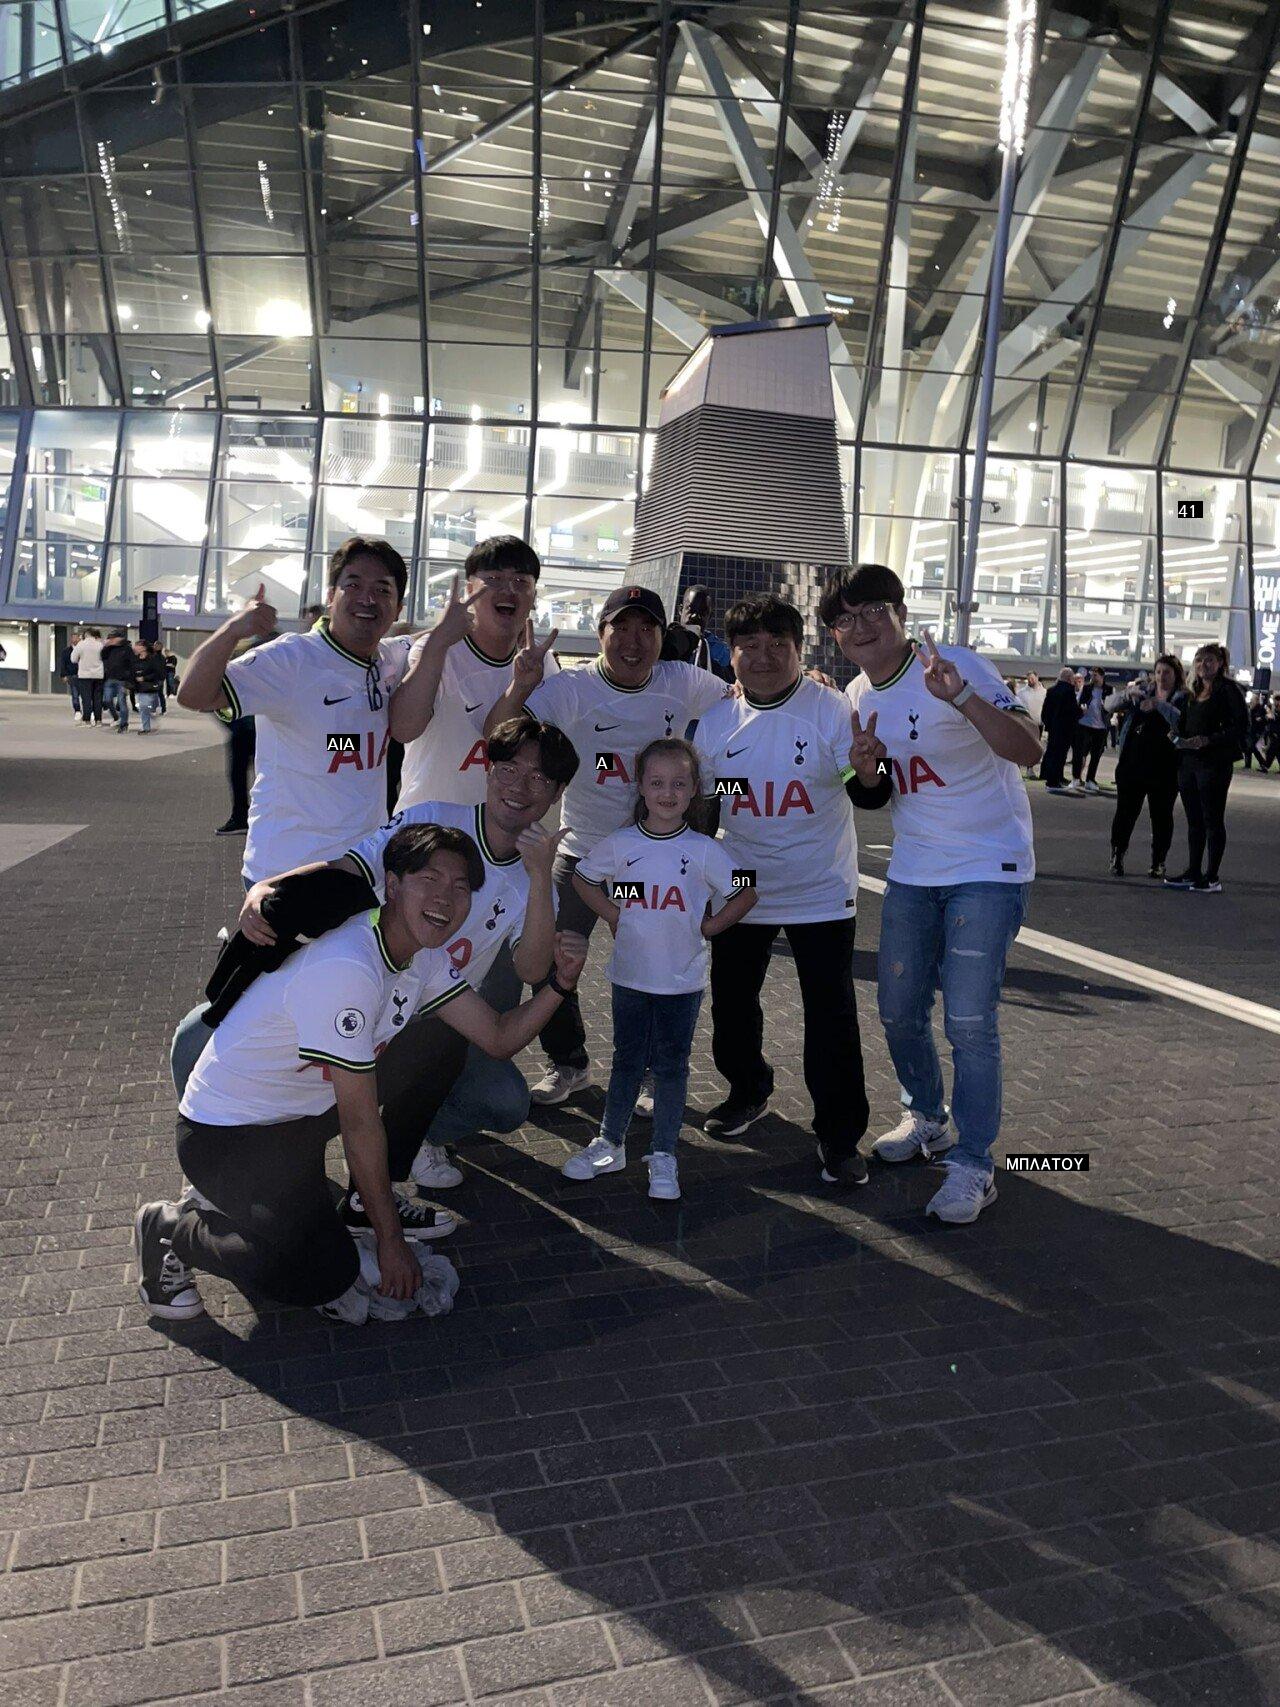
point(187, 1046)
point(654, 1032)
point(957, 937)
point(115, 697)
point(488, 1095)
point(148, 707)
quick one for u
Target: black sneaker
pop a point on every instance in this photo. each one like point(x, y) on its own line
point(1206, 886)
point(232, 827)
point(728, 1118)
point(1157, 871)
point(850, 1170)
point(167, 1286)
point(1188, 880)
point(418, 1220)
point(1117, 863)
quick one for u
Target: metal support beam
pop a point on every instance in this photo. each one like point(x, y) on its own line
point(634, 287)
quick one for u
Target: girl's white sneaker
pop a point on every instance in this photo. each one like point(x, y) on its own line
point(599, 1157)
point(664, 1180)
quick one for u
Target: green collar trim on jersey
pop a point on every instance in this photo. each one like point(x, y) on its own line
point(322, 628)
point(662, 836)
point(484, 657)
point(770, 704)
point(903, 667)
point(621, 687)
point(490, 858)
point(375, 920)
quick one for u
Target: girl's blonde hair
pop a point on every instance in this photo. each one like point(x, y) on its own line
point(696, 814)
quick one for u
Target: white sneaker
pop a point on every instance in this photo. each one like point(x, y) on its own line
point(433, 1170)
point(963, 1195)
point(598, 1157)
point(1092, 788)
point(644, 1102)
point(1075, 787)
point(557, 1084)
point(664, 1180)
point(913, 1136)
point(350, 1306)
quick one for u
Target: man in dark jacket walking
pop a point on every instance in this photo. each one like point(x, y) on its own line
point(117, 674)
point(1058, 717)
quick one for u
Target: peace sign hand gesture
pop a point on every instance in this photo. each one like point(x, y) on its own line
point(868, 753)
point(531, 660)
point(941, 676)
point(454, 620)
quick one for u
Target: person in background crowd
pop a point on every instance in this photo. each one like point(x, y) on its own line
point(712, 653)
point(117, 670)
point(1059, 715)
point(69, 672)
point(86, 655)
point(1031, 695)
point(1147, 764)
point(786, 762)
point(610, 710)
point(665, 891)
point(1212, 730)
point(1090, 734)
point(959, 877)
point(1256, 745)
point(148, 683)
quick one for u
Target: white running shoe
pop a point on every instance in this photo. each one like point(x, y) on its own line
point(598, 1157)
point(963, 1195)
point(913, 1136)
point(644, 1102)
point(664, 1179)
point(558, 1084)
point(1075, 787)
point(433, 1170)
point(1092, 788)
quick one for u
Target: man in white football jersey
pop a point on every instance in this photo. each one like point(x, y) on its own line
point(610, 710)
point(456, 1090)
point(958, 878)
point(326, 707)
point(787, 766)
point(445, 753)
point(294, 1062)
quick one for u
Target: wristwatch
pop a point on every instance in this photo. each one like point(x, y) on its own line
point(965, 694)
point(553, 983)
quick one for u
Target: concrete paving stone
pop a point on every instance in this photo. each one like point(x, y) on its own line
point(228, 1606)
point(217, 1520)
point(425, 1680)
point(439, 1620)
point(142, 1574)
point(65, 1543)
point(28, 1642)
point(496, 1558)
point(552, 1599)
point(1027, 1672)
point(123, 1680)
point(168, 1487)
point(369, 1582)
point(310, 1644)
point(38, 1688)
point(505, 1663)
point(676, 1683)
point(292, 1549)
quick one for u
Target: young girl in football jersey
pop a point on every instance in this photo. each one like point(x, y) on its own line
point(664, 889)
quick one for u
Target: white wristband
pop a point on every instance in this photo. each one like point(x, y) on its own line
point(962, 698)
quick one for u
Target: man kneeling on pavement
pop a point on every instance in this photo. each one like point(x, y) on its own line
point(300, 1057)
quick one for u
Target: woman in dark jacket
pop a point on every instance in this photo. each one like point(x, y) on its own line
point(1212, 730)
point(1147, 761)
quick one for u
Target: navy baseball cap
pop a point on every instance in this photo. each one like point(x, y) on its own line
point(634, 598)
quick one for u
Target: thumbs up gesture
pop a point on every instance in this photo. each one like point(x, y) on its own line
point(258, 618)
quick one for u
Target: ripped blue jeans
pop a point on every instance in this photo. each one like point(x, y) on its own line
point(956, 937)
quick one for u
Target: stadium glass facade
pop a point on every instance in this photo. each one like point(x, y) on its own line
point(274, 274)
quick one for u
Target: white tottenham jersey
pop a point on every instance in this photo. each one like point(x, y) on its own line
point(497, 909)
point(449, 760)
point(322, 734)
point(960, 814)
point(608, 726)
point(336, 1003)
point(778, 771)
point(662, 885)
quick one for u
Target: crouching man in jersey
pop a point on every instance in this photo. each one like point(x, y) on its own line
point(958, 878)
point(450, 1090)
point(293, 1063)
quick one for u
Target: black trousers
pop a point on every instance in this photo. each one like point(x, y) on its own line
point(276, 1228)
point(1203, 787)
point(564, 1036)
point(1160, 791)
point(1056, 747)
point(241, 742)
point(823, 955)
point(91, 698)
point(1088, 744)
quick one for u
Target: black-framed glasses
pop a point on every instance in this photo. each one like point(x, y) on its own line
point(870, 614)
point(507, 771)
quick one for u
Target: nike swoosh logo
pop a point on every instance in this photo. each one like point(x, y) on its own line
point(601, 727)
point(470, 708)
point(732, 752)
point(635, 861)
point(338, 701)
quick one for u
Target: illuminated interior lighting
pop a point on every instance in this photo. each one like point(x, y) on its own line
point(1019, 66)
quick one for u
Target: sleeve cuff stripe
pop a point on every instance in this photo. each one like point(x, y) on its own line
point(336, 1061)
point(847, 773)
point(448, 996)
point(233, 699)
point(365, 868)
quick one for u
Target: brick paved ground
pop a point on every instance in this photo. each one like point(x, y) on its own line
point(764, 1445)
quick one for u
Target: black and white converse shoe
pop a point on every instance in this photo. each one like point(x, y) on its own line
point(418, 1220)
point(167, 1286)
